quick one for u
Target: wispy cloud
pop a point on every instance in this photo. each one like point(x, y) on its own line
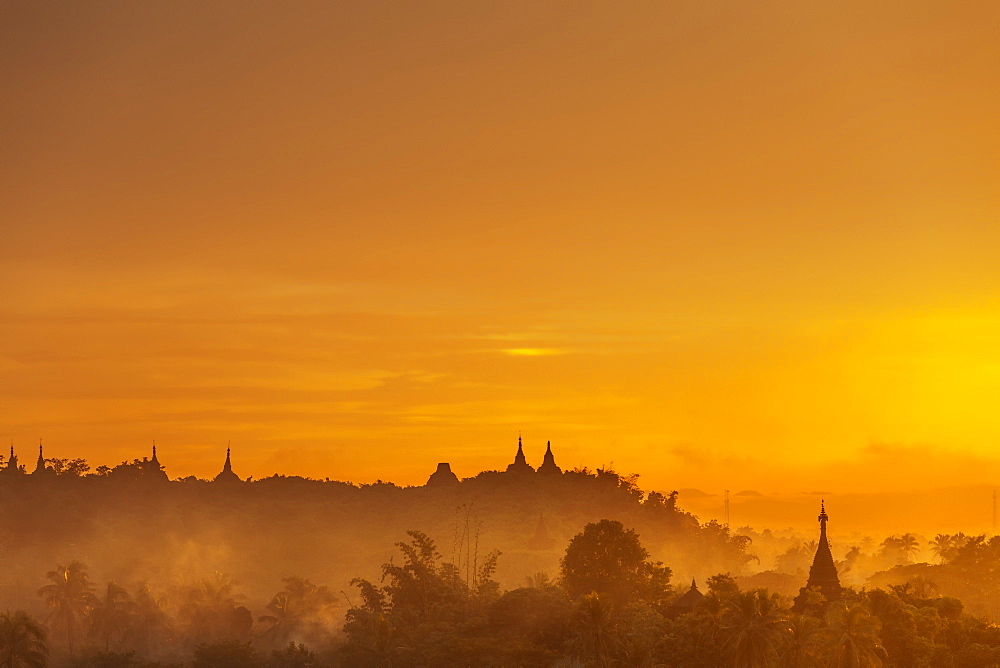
point(534, 352)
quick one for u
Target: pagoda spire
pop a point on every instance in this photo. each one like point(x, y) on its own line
point(40, 464)
point(549, 462)
point(520, 464)
point(153, 468)
point(227, 474)
point(12, 466)
point(823, 573)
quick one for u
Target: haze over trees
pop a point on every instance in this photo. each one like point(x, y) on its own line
point(123, 568)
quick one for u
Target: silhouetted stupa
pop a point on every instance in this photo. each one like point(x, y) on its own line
point(227, 475)
point(40, 468)
point(549, 463)
point(823, 573)
point(11, 468)
point(688, 601)
point(520, 464)
point(443, 476)
point(541, 540)
point(153, 468)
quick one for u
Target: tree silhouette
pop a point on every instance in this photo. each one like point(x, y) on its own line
point(111, 615)
point(608, 559)
point(754, 629)
point(301, 608)
point(71, 597)
point(594, 640)
point(851, 638)
point(800, 642)
point(22, 641)
point(211, 611)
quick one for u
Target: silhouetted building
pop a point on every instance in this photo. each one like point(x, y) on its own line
point(520, 464)
point(153, 469)
point(40, 468)
point(823, 573)
point(226, 474)
point(549, 463)
point(443, 476)
point(688, 601)
point(541, 540)
point(11, 468)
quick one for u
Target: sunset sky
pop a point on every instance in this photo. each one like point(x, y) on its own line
point(723, 245)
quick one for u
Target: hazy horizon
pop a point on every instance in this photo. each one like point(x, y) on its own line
point(749, 248)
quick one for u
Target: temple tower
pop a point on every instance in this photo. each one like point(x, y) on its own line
point(11, 467)
point(687, 602)
point(520, 464)
point(443, 476)
point(40, 467)
point(227, 475)
point(549, 463)
point(541, 540)
point(154, 469)
point(823, 573)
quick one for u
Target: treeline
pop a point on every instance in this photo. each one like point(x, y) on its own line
point(611, 604)
point(132, 529)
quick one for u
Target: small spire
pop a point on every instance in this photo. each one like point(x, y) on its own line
point(548, 447)
point(694, 585)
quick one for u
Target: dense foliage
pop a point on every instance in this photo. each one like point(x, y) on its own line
point(590, 595)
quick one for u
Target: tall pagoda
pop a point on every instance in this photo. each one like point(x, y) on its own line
point(40, 468)
point(520, 464)
point(823, 573)
point(12, 468)
point(227, 474)
point(153, 470)
point(549, 463)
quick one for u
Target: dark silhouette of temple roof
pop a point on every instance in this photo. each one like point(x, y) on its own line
point(40, 467)
point(443, 476)
point(688, 601)
point(823, 573)
point(549, 463)
point(226, 474)
point(154, 469)
point(520, 464)
point(11, 468)
point(541, 540)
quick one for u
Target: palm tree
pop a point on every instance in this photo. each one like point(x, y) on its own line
point(800, 644)
point(942, 546)
point(851, 638)
point(71, 597)
point(209, 608)
point(111, 615)
point(594, 624)
point(909, 546)
point(301, 607)
point(754, 627)
point(22, 641)
point(282, 621)
point(149, 621)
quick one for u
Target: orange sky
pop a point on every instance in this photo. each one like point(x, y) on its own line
point(746, 246)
